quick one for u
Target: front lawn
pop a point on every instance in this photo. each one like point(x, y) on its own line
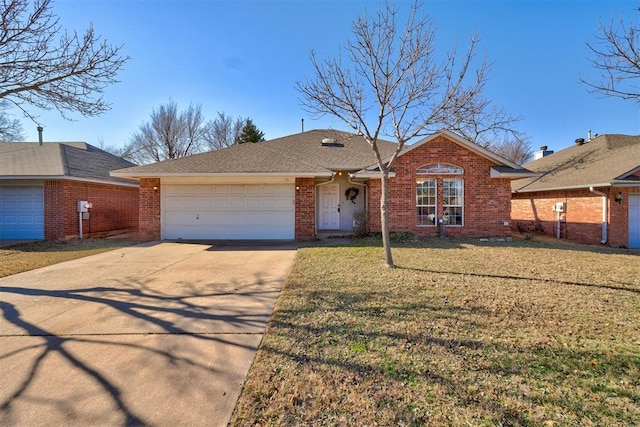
point(462, 333)
point(41, 253)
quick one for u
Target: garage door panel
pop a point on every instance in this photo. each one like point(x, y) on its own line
point(248, 211)
point(21, 213)
point(634, 221)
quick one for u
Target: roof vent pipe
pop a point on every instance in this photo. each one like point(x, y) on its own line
point(579, 141)
point(589, 135)
point(302, 120)
point(40, 134)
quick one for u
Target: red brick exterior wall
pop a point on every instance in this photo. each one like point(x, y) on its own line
point(149, 218)
point(115, 209)
point(305, 227)
point(486, 199)
point(582, 223)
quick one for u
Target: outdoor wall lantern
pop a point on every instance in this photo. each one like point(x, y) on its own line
point(155, 188)
point(297, 188)
point(618, 198)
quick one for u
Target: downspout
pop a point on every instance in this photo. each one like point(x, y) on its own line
point(605, 213)
point(333, 177)
point(366, 196)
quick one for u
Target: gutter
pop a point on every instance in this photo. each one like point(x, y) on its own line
point(605, 213)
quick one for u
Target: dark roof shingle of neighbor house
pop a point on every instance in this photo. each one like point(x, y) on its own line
point(294, 154)
point(604, 161)
point(60, 160)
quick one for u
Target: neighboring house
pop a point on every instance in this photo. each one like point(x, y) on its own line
point(587, 193)
point(322, 181)
point(41, 185)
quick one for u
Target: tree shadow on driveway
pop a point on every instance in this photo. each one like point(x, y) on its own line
point(129, 354)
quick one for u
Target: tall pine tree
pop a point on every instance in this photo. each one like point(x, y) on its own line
point(250, 133)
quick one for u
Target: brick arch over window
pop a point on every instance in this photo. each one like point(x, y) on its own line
point(440, 169)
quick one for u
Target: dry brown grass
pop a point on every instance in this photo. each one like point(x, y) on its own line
point(31, 255)
point(462, 333)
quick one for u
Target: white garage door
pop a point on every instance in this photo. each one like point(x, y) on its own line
point(233, 212)
point(634, 221)
point(22, 213)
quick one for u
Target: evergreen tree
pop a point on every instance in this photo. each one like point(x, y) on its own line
point(250, 133)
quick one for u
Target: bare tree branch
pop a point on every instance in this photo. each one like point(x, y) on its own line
point(616, 58)
point(43, 66)
point(223, 131)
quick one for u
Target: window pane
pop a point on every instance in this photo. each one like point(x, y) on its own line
point(453, 203)
point(426, 201)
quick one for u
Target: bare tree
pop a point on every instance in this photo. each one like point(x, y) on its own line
point(492, 128)
point(169, 134)
point(616, 57)
point(223, 131)
point(10, 129)
point(393, 84)
point(43, 66)
point(517, 150)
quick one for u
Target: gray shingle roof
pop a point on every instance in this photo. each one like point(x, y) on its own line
point(604, 161)
point(299, 154)
point(57, 160)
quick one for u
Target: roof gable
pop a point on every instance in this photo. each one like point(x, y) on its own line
point(471, 146)
point(607, 160)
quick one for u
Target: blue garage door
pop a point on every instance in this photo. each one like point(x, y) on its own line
point(22, 213)
point(634, 221)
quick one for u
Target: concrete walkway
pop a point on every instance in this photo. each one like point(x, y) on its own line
point(156, 334)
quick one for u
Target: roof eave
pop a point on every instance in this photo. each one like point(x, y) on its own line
point(514, 174)
point(226, 175)
point(72, 178)
point(566, 187)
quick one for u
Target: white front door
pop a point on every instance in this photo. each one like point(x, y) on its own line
point(329, 207)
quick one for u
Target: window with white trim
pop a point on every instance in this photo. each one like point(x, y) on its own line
point(426, 201)
point(428, 208)
point(453, 200)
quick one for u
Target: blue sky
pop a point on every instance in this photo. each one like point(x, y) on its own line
point(244, 57)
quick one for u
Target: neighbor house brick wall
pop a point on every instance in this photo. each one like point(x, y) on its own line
point(115, 209)
point(305, 212)
point(149, 216)
point(582, 223)
point(486, 199)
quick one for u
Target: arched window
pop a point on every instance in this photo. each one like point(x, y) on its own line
point(440, 169)
point(439, 197)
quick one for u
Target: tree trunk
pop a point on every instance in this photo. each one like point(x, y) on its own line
point(384, 218)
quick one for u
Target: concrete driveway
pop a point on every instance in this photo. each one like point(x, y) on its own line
point(155, 334)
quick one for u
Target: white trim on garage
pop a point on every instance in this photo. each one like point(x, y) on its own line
point(228, 211)
point(22, 212)
point(634, 221)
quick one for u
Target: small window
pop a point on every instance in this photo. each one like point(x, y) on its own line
point(440, 169)
point(453, 200)
point(426, 201)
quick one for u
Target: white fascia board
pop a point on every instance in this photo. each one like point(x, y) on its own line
point(628, 174)
point(134, 182)
point(372, 175)
point(515, 175)
point(214, 175)
point(568, 187)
